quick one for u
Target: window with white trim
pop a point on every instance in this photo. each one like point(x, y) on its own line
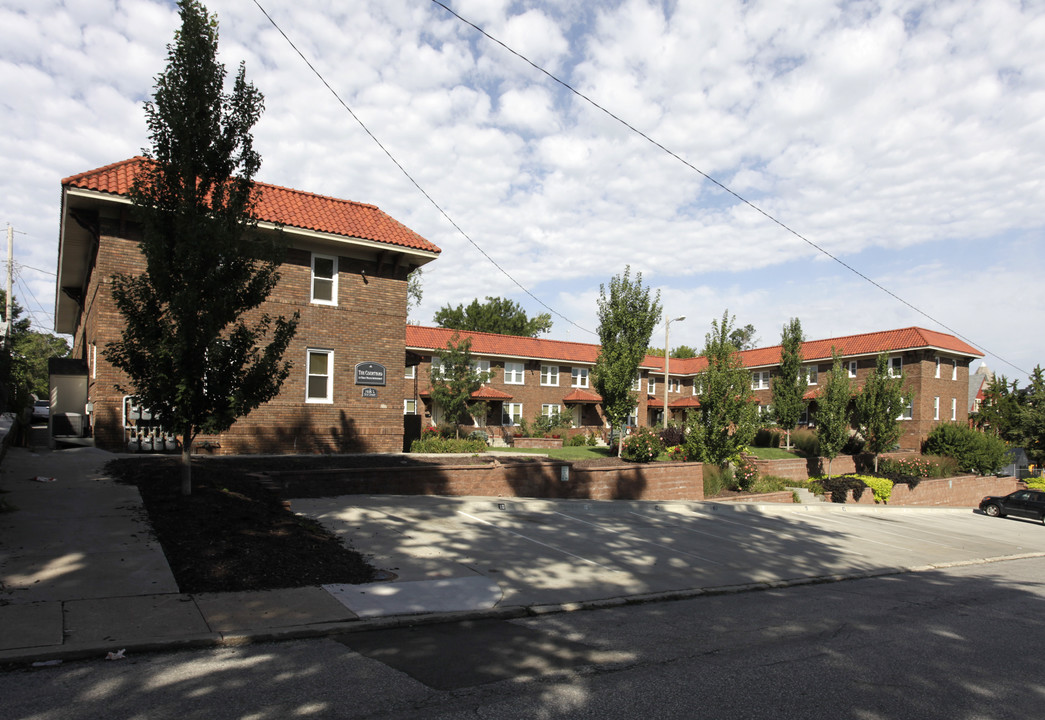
point(633, 418)
point(512, 414)
point(550, 375)
point(437, 367)
point(514, 372)
point(760, 380)
point(651, 385)
point(410, 407)
point(324, 279)
point(954, 369)
point(481, 366)
point(94, 361)
point(637, 385)
point(811, 374)
point(675, 384)
point(579, 377)
point(549, 411)
point(852, 368)
point(937, 366)
point(908, 411)
point(936, 408)
point(895, 366)
point(319, 382)
point(411, 373)
point(698, 384)
point(954, 409)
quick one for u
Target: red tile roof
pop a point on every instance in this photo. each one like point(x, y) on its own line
point(489, 393)
point(487, 344)
point(285, 206)
point(577, 397)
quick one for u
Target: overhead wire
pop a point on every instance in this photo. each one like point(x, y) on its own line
point(409, 177)
point(716, 182)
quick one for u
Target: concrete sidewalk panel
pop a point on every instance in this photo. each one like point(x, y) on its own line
point(132, 620)
point(31, 625)
point(79, 576)
point(265, 610)
point(426, 596)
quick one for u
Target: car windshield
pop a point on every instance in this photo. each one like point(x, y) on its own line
point(43, 403)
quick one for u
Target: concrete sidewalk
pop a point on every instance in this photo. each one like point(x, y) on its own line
point(81, 574)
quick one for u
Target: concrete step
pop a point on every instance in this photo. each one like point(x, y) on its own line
point(806, 497)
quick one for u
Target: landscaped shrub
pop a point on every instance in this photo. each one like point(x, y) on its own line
point(643, 445)
point(576, 441)
point(768, 438)
point(839, 486)
point(917, 466)
point(677, 453)
point(432, 443)
point(881, 487)
point(973, 450)
point(672, 435)
point(805, 441)
point(745, 474)
point(716, 479)
point(545, 425)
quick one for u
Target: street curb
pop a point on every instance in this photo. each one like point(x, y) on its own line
point(98, 651)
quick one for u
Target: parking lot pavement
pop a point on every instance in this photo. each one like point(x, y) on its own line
point(543, 551)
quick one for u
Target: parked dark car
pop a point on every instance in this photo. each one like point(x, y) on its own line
point(41, 410)
point(1024, 503)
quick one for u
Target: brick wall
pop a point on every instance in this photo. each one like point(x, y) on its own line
point(961, 491)
point(367, 325)
point(658, 481)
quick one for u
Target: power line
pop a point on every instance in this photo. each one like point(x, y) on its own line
point(711, 179)
point(410, 177)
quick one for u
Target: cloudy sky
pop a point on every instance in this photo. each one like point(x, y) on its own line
point(905, 139)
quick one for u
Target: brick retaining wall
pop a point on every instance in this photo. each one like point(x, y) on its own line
point(655, 481)
point(960, 491)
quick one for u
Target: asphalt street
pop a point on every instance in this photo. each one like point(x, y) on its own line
point(961, 643)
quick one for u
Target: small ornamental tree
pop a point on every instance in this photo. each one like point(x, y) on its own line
point(186, 347)
point(727, 419)
point(790, 383)
point(1032, 418)
point(878, 408)
point(833, 412)
point(627, 316)
point(454, 381)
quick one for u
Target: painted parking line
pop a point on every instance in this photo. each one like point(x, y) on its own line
point(670, 549)
point(536, 542)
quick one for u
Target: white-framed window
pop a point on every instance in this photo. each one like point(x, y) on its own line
point(937, 366)
point(811, 374)
point(698, 384)
point(852, 368)
point(675, 384)
point(548, 410)
point(411, 373)
point(579, 377)
point(319, 381)
point(954, 369)
point(908, 412)
point(437, 366)
point(94, 361)
point(895, 366)
point(410, 407)
point(481, 366)
point(550, 375)
point(513, 413)
point(324, 279)
point(651, 385)
point(514, 373)
point(936, 408)
point(633, 418)
point(954, 409)
point(760, 380)
point(637, 385)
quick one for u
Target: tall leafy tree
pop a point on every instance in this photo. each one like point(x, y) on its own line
point(999, 414)
point(187, 347)
point(790, 382)
point(878, 408)
point(680, 352)
point(497, 315)
point(727, 419)
point(16, 382)
point(454, 381)
point(1032, 418)
point(833, 416)
point(744, 338)
point(627, 315)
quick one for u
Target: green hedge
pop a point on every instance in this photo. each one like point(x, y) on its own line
point(436, 444)
point(974, 451)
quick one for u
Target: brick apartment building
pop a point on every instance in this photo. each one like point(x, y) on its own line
point(533, 377)
point(346, 273)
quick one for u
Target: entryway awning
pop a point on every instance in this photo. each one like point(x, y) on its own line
point(581, 397)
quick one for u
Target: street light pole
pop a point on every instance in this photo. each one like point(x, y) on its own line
point(667, 351)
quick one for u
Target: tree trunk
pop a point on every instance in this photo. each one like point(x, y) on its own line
point(829, 461)
point(787, 444)
point(620, 442)
point(186, 464)
point(876, 463)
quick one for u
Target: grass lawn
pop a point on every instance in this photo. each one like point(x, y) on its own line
point(581, 452)
point(772, 453)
